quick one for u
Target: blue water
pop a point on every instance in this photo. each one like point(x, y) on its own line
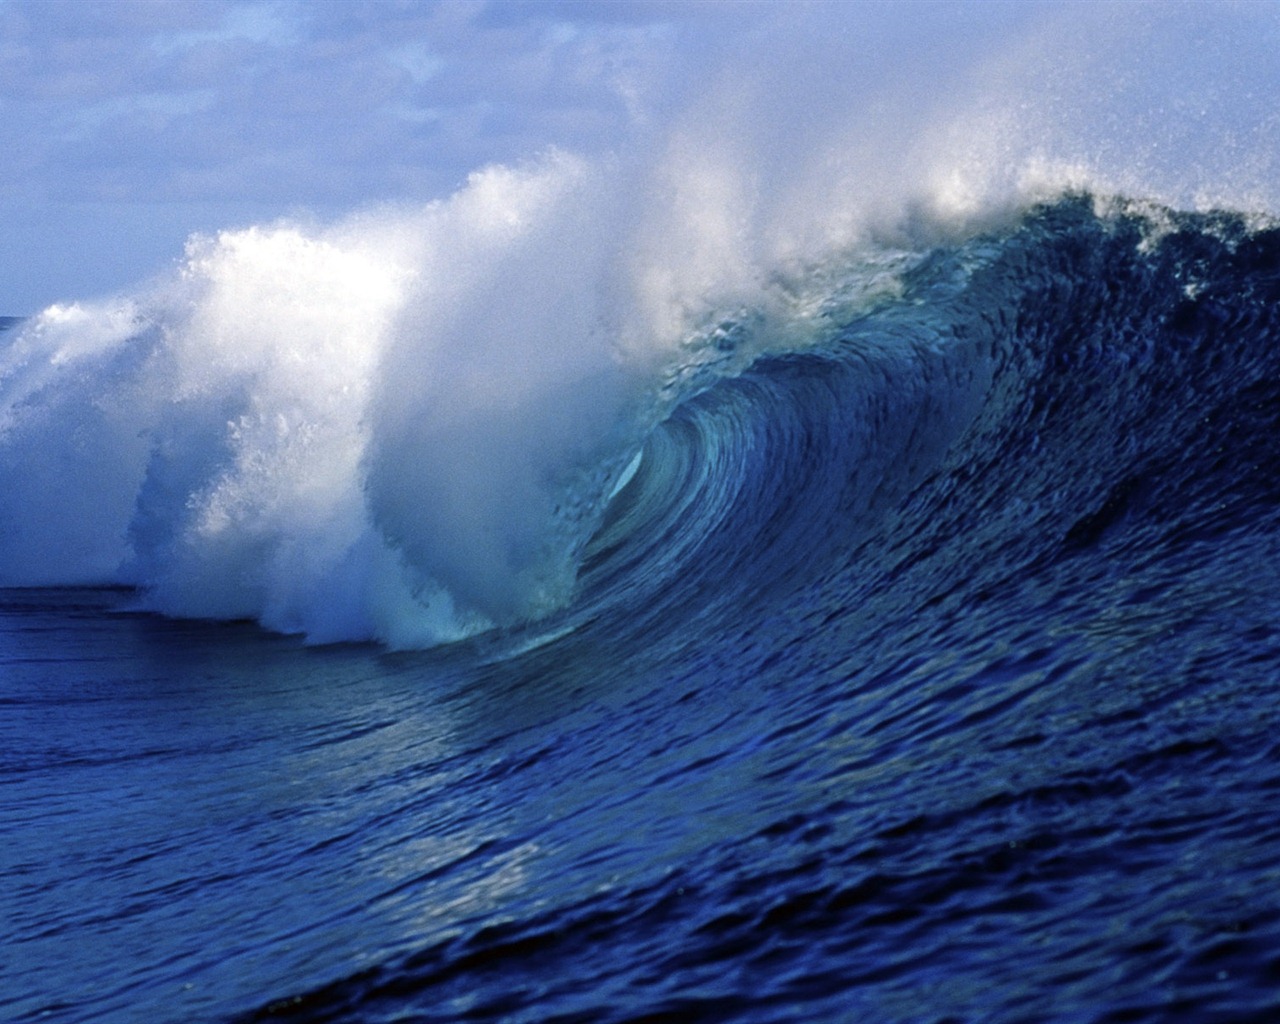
point(922, 671)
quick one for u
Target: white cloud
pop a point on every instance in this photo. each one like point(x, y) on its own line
point(267, 23)
point(155, 109)
point(418, 61)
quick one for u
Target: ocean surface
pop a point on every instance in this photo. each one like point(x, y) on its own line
point(902, 647)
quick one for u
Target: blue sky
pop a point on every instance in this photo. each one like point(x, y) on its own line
point(127, 125)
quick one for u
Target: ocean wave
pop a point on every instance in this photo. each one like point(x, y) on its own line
point(321, 434)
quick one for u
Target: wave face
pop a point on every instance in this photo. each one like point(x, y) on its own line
point(913, 659)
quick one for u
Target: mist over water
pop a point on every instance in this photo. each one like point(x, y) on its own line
point(404, 425)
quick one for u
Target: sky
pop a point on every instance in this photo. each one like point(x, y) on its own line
point(126, 126)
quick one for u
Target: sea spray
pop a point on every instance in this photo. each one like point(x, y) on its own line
point(399, 426)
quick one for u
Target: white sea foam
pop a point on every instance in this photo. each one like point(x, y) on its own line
point(403, 425)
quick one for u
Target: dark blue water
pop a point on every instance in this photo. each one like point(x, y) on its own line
point(927, 673)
